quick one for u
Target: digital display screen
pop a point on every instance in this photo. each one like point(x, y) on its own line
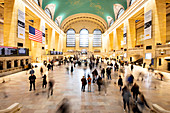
point(22, 51)
point(11, 52)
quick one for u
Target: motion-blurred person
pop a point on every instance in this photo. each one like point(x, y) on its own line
point(120, 82)
point(141, 74)
point(122, 70)
point(102, 72)
point(72, 68)
point(161, 76)
point(50, 87)
point(105, 84)
point(84, 82)
point(32, 81)
point(64, 107)
point(142, 102)
point(41, 70)
point(130, 79)
point(89, 83)
point(94, 73)
point(49, 67)
point(116, 67)
point(52, 65)
point(108, 71)
point(126, 97)
point(135, 91)
point(44, 81)
point(131, 67)
point(99, 83)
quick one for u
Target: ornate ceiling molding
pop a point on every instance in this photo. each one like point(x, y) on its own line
point(52, 9)
point(84, 18)
point(116, 8)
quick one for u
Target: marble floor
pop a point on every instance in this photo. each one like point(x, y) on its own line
point(68, 85)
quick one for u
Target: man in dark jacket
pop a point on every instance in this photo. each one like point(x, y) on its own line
point(32, 81)
point(120, 82)
point(135, 90)
point(102, 72)
point(84, 82)
point(108, 70)
point(130, 79)
point(131, 67)
point(99, 83)
point(48, 66)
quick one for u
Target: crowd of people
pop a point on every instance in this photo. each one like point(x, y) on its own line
point(137, 100)
point(101, 75)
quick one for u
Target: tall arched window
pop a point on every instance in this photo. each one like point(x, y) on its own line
point(48, 12)
point(131, 2)
point(112, 21)
point(70, 40)
point(121, 11)
point(97, 38)
point(56, 21)
point(84, 38)
point(37, 1)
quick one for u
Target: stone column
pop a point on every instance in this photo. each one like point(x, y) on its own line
point(4, 64)
point(12, 63)
point(11, 20)
point(77, 41)
point(110, 41)
point(90, 42)
point(19, 62)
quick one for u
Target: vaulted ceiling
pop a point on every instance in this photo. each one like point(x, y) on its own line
point(66, 8)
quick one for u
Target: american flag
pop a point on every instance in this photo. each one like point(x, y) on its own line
point(35, 34)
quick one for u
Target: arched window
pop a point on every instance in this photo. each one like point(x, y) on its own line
point(131, 2)
point(56, 21)
point(48, 12)
point(121, 11)
point(37, 1)
point(112, 21)
point(71, 40)
point(84, 38)
point(97, 38)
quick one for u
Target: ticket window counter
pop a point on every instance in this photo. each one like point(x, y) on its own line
point(22, 62)
point(8, 64)
point(15, 63)
point(1, 65)
point(26, 61)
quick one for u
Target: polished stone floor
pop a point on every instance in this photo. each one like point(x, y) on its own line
point(68, 85)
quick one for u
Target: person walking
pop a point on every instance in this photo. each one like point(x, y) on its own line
point(131, 67)
point(120, 82)
point(99, 83)
point(84, 82)
point(135, 91)
point(126, 95)
point(71, 68)
point(32, 81)
point(48, 66)
point(52, 65)
point(50, 88)
point(102, 72)
point(41, 70)
point(89, 83)
point(44, 81)
point(109, 73)
point(130, 79)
